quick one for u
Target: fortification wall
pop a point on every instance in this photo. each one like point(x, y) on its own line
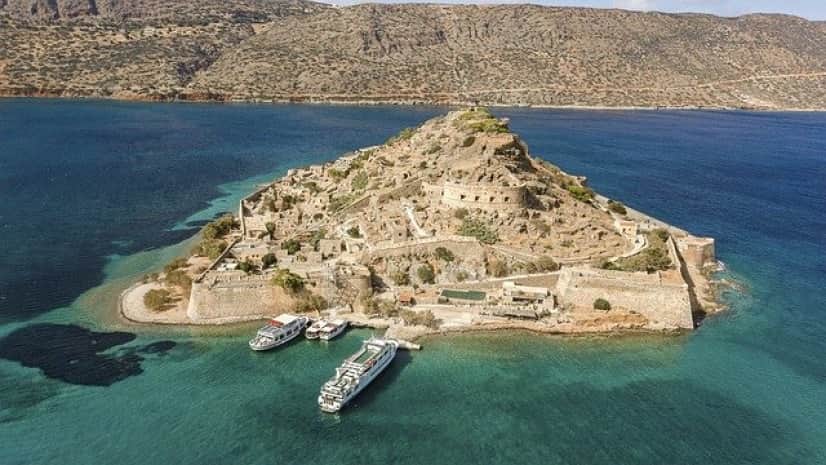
point(236, 302)
point(548, 280)
point(479, 196)
point(459, 245)
point(664, 305)
point(697, 251)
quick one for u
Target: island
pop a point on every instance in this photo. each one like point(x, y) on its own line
point(450, 226)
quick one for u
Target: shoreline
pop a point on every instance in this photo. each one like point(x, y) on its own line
point(413, 102)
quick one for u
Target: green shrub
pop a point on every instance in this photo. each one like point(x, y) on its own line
point(291, 246)
point(211, 248)
point(469, 140)
point(461, 276)
point(219, 228)
point(581, 193)
point(661, 234)
point(354, 232)
point(290, 282)
point(546, 263)
point(460, 213)
point(268, 260)
point(174, 265)
point(475, 228)
point(179, 278)
point(602, 304)
point(426, 274)
point(336, 174)
point(309, 302)
point(617, 207)
point(338, 203)
point(360, 181)
point(422, 318)
point(246, 266)
point(157, 299)
point(443, 254)
point(405, 134)
point(312, 186)
point(401, 278)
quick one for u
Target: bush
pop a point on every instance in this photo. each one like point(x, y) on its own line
point(433, 149)
point(546, 263)
point(617, 207)
point(469, 140)
point(309, 302)
point(661, 233)
point(426, 274)
point(219, 228)
point(460, 213)
point(290, 282)
point(461, 276)
point(291, 246)
point(211, 248)
point(401, 278)
point(602, 304)
point(423, 318)
point(498, 268)
point(443, 254)
point(354, 232)
point(179, 278)
point(246, 266)
point(157, 299)
point(268, 260)
point(405, 134)
point(174, 265)
point(475, 228)
point(360, 181)
point(336, 174)
point(581, 193)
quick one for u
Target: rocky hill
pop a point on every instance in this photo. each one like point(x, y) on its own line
point(511, 54)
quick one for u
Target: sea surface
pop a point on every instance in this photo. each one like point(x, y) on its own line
point(95, 194)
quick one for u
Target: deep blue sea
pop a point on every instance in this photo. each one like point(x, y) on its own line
point(95, 194)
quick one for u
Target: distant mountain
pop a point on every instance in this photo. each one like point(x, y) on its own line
point(509, 54)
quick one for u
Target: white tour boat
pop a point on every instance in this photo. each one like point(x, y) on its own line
point(312, 331)
point(356, 373)
point(278, 330)
point(332, 329)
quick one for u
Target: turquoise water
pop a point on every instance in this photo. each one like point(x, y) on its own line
point(111, 189)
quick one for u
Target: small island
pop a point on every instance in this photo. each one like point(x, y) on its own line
point(451, 226)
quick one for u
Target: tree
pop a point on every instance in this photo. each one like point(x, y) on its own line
point(291, 246)
point(246, 266)
point(290, 282)
point(443, 254)
point(400, 278)
point(157, 299)
point(360, 181)
point(270, 229)
point(219, 228)
point(426, 274)
point(268, 260)
point(602, 304)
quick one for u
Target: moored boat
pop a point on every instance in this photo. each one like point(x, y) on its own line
point(278, 331)
point(356, 373)
point(332, 329)
point(313, 330)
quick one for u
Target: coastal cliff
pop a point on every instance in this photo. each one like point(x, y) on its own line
point(449, 226)
point(299, 51)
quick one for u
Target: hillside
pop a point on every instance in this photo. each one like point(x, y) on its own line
point(510, 54)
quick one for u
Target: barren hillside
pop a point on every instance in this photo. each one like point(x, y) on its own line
point(514, 54)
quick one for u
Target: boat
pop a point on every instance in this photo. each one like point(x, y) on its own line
point(332, 329)
point(356, 373)
point(312, 331)
point(278, 331)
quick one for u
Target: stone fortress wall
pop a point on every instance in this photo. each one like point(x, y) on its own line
point(486, 197)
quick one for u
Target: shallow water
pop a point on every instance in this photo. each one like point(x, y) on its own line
point(95, 194)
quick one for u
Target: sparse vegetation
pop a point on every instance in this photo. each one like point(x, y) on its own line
point(653, 258)
point(443, 254)
point(497, 268)
point(179, 278)
point(478, 229)
point(360, 181)
point(291, 246)
point(405, 134)
point(157, 299)
point(617, 207)
point(460, 213)
point(426, 274)
point(400, 278)
point(420, 318)
point(546, 263)
point(581, 193)
point(219, 228)
point(247, 266)
point(289, 281)
point(175, 264)
point(354, 232)
point(211, 248)
point(309, 302)
point(602, 304)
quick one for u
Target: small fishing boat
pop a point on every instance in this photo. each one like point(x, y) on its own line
point(278, 331)
point(332, 329)
point(313, 330)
